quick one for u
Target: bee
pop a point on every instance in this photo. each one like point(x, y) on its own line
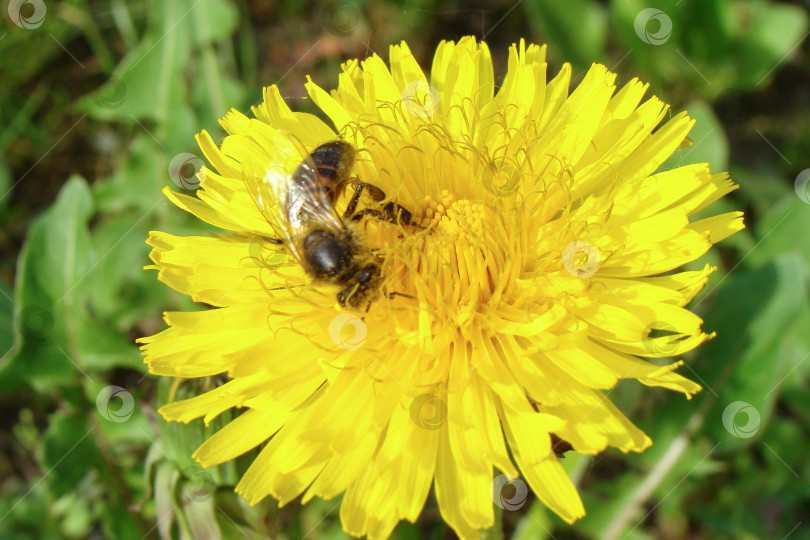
point(316, 235)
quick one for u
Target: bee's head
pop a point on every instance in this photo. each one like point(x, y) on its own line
point(361, 287)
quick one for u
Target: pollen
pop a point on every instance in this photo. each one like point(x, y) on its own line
point(458, 219)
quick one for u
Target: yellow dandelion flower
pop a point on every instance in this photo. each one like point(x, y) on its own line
point(536, 273)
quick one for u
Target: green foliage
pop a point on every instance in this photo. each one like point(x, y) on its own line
point(54, 325)
point(102, 97)
point(577, 28)
point(709, 46)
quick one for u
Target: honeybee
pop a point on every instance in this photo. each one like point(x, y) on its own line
point(328, 250)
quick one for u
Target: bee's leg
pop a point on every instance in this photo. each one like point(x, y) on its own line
point(379, 214)
point(398, 214)
point(392, 212)
point(276, 241)
point(376, 193)
point(344, 295)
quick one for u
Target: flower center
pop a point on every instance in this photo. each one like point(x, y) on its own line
point(480, 212)
point(454, 218)
point(459, 268)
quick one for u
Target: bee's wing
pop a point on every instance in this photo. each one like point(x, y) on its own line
point(308, 202)
point(268, 185)
point(293, 203)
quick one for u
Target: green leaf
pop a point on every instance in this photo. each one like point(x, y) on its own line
point(603, 501)
point(6, 320)
point(127, 293)
point(54, 331)
point(137, 180)
point(794, 388)
point(27, 513)
point(102, 348)
point(155, 458)
point(714, 45)
point(785, 455)
point(119, 523)
point(119, 418)
point(761, 188)
point(217, 94)
point(711, 26)
point(778, 228)
point(536, 524)
point(56, 254)
point(200, 512)
point(767, 35)
point(5, 185)
point(68, 452)
point(148, 81)
point(709, 142)
point(179, 441)
point(576, 29)
point(744, 364)
point(74, 513)
point(165, 479)
point(655, 60)
point(213, 20)
point(746, 361)
point(255, 521)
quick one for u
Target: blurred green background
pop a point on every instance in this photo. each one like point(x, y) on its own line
point(99, 103)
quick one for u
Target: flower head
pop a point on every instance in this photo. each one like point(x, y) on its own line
point(536, 273)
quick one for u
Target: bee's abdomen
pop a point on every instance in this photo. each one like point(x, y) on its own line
point(334, 160)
